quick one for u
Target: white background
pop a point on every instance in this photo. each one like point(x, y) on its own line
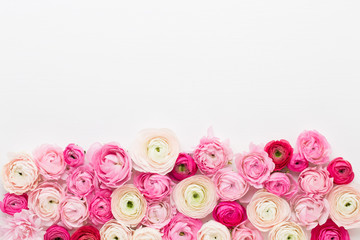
point(86, 71)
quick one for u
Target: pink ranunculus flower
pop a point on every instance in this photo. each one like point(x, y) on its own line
point(50, 161)
point(74, 155)
point(213, 230)
point(314, 147)
point(315, 181)
point(100, 207)
point(159, 213)
point(280, 152)
point(246, 231)
point(230, 186)
point(154, 186)
point(341, 170)
point(182, 227)
point(44, 201)
point(255, 166)
point(281, 184)
point(310, 211)
point(20, 175)
point(211, 154)
point(13, 203)
point(297, 163)
point(185, 167)
point(111, 163)
point(229, 213)
point(81, 181)
point(329, 231)
point(56, 232)
point(73, 212)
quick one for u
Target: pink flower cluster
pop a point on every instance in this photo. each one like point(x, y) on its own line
point(154, 191)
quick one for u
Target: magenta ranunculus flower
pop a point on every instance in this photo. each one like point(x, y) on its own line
point(185, 166)
point(211, 154)
point(182, 227)
point(153, 186)
point(341, 170)
point(281, 184)
point(13, 203)
point(329, 231)
point(315, 181)
point(86, 233)
point(81, 181)
point(314, 147)
point(111, 163)
point(229, 213)
point(280, 152)
point(297, 163)
point(100, 207)
point(50, 161)
point(74, 155)
point(56, 232)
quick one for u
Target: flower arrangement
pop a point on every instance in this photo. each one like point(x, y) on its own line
point(153, 190)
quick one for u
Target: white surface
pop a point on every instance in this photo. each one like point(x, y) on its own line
point(86, 71)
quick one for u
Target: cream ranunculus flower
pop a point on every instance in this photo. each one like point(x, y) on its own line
point(128, 205)
point(155, 151)
point(195, 196)
point(287, 231)
point(114, 229)
point(266, 210)
point(146, 233)
point(344, 203)
point(213, 230)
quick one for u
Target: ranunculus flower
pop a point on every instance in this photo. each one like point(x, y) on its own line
point(159, 213)
point(280, 152)
point(341, 170)
point(195, 196)
point(114, 229)
point(44, 201)
point(81, 181)
point(314, 147)
point(213, 230)
point(182, 227)
point(73, 212)
point(310, 211)
point(100, 207)
point(86, 233)
point(111, 163)
point(229, 213)
point(128, 205)
point(255, 166)
point(185, 167)
point(230, 186)
point(246, 231)
point(20, 174)
point(297, 163)
point(146, 233)
point(344, 203)
point(281, 184)
point(329, 231)
point(74, 155)
point(266, 210)
point(211, 154)
point(50, 161)
point(154, 186)
point(287, 230)
point(13, 203)
point(315, 181)
point(56, 232)
point(155, 151)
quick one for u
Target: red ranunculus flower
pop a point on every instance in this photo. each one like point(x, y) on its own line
point(280, 152)
point(86, 233)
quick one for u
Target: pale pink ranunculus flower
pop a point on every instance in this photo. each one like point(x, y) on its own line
point(281, 184)
point(211, 154)
point(154, 186)
point(246, 231)
point(314, 147)
point(81, 181)
point(315, 181)
point(155, 151)
point(146, 233)
point(159, 213)
point(114, 229)
point(20, 174)
point(213, 230)
point(73, 212)
point(111, 163)
point(287, 230)
point(50, 161)
point(265, 210)
point(45, 200)
point(100, 207)
point(230, 186)
point(182, 227)
point(255, 166)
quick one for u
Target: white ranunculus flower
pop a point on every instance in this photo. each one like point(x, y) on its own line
point(146, 233)
point(213, 230)
point(155, 151)
point(287, 231)
point(115, 230)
